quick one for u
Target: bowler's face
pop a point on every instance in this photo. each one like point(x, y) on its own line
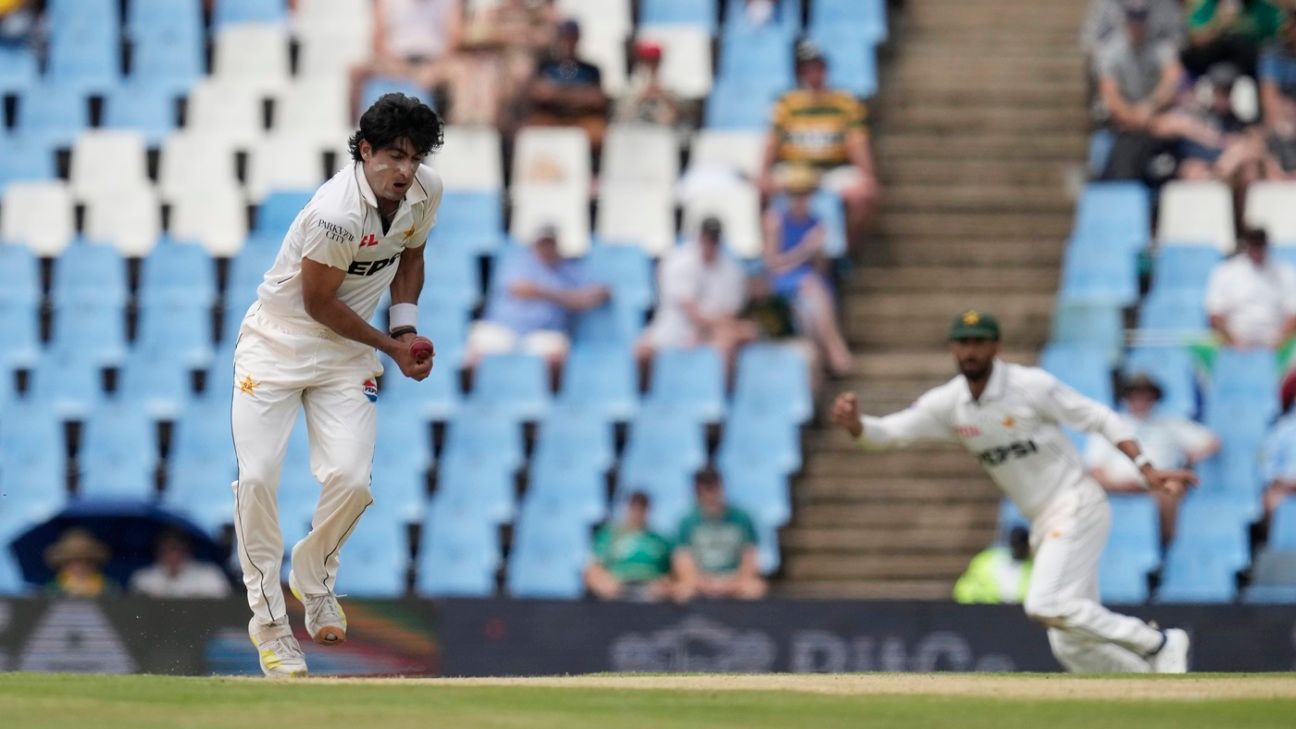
point(974, 356)
point(390, 170)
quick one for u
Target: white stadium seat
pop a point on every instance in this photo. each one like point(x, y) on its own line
point(1196, 213)
point(195, 161)
point(557, 207)
point(740, 151)
point(252, 54)
point(606, 15)
point(215, 219)
point(283, 162)
point(106, 160)
point(38, 215)
point(333, 16)
point(606, 48)
point(471, 160)
point(551, 158)
point(738, 208)
point(1272, 206)
point(641, 153)
point(314, 109)
point(230, 110)
point(638, 215)
point(130, 219)
point(686, 58)
point(331, 54)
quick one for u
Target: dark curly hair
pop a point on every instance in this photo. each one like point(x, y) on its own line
point(394, 117)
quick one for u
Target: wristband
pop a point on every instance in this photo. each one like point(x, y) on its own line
point(1142, 461)
point(402, 315)
point(401, 331)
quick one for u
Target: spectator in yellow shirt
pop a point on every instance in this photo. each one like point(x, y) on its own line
point(998, 575)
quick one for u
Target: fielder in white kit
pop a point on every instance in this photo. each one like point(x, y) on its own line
point(1009, 416)
point(307, 344)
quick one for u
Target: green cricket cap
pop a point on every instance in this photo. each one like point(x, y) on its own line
point(973, 324)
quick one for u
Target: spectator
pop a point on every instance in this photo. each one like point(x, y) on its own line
point(1213, 143)
point(77, 559)
point(176, 575)
point(501, 45)
point(1251, 298)
point(18, 23)
point(567, 90)
point(701, 292)
point(631, 562)
point(647, 101)
point(1106, 18)
point(998, 575)
point(1167, 440)
point(414, 40)
point(793, 256)
point(1277, 75)
point(759, 15)
point(1137, 81)
point(824, 128)
point(1278, 455)
point(534, 295)
point(715, 556)
point(1229, 31)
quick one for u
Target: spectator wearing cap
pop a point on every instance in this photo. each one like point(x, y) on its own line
point(794, 260)
point(1278, 454)
point(414, 40)
point(1137, 82)
point(78, 559)
point(631, 562)
point(1169, 441)
point(1229, 31)
point(825, 129)
point(568, 90)
point(701, 293)
point(532, 300)
point(647, 101)
point(715, 554)
point(1106, 19)
point(501, 45)
point(1277, 76)
point(1213, 143)
point(1251, 297)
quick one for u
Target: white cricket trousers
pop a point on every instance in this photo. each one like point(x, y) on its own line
point(279, 370)
point(1086, 637)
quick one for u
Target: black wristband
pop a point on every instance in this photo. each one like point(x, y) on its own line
point(402, 331)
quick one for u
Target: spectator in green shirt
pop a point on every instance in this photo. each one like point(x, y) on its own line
point(1229, 31)
point(716, 553)
point(998, 575)
point(631, 562)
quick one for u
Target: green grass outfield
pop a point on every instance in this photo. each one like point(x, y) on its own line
point(37, 701)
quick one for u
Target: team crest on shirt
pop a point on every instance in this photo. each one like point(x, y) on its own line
point(371, 390)
point(1009, 421)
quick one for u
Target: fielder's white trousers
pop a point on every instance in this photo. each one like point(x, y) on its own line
point(278, 371)
point(1068, 538)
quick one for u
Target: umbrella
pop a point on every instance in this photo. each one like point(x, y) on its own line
point(128, 527)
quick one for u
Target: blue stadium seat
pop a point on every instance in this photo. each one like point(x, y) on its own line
point(1136, 524)
point(403, 437)
point(177, 333)
point(400, 490)
point(602, 380)
point(670, 489)
point(786, 18)
point(1197, 573)
point(1121, 578)
point(1269, 595)
point(568, 490)
point(478, 487)
point(376, 557)
point(95, 336)
point(169, 58)
point(691, 381)
point(761, 492)
point(83, 55)
point(1172, 368)
point(608, 324)
point(1235, 470)
point(1282, 527)
point(732, 105)
point(487, 437)
point(148, 109)
point(1176, 314)
point(470, 220)
point(89, 275)
point(71, 387)
point(662, 454)
point(147, 17)
point(1185, 269)
point(567, 437)
point(1275, 567)
point(249, 11)
point(626, 270)
point(1218, 522)
point(1107, 280)
point(30, 433)
point(24, 160)
point(1085, 369)
point(1114, 216)
point(1240, 424)
point(278, 211)
point(458, 556)
point(202, 467)
point(1092, 325)
point(177, 273)
point(757, 59)
point(18, 69)
point(451, 275)
point(19, 338)
point(19, 276)
point(380, 86)
point(852, 63)
point(52, 115)
point(759, 442)
point(34, 490)
point(118, 454)
point(438, 398)
point(699, 13)
point(515, 385)
point(1250, 375)
point(866, 19)
point(162, 388)
point(547, 561)
point(773, 380)
point(246, 271)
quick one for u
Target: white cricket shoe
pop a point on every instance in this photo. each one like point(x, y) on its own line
point(1173, 656)
point(280, 654)
point(325, 620)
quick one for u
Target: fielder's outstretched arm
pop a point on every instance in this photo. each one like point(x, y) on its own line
point(897, 430)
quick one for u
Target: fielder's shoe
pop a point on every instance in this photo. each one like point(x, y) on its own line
point(280, 653)
point(1173, 655)
point(325, 620)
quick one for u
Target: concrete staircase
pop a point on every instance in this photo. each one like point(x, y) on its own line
point(980, 123)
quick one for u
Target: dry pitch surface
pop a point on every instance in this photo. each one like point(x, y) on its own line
point(44, 701)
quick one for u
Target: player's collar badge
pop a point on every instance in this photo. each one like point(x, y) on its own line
point(247, 385)
point(1009, 421)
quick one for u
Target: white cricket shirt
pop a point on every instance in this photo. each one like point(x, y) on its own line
point(1254, 300)
point(341, 227)
point(1014, 430)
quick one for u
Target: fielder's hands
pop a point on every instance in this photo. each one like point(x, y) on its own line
point(400, 353)
point(1173, 481)
point(845, 413)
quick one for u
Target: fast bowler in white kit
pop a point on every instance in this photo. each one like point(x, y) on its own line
point(307, 344)
point(1009, 416)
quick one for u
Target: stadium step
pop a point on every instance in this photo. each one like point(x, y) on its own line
point(972, 171)
point(877, 566)
point(903, 144)
point(975, 225)
point(928, 278)
point(896, 489)
point(943, 119)
point(871, 541)
point(869, 589)
point(832, 457)
point(964, 251)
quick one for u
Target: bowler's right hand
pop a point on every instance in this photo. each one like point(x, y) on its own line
point(399, 351)
point(845, 413)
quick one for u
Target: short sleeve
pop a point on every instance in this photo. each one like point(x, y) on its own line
point(1202, 12)
point(1217, 290)
point(1108, 60)
point(779, 116)
point(748, 529)
point(431, 182)
point(1267, 66)
point(602, 542)
point(1191, 437)
point(1287, 275)
point(331, 240)
point(686, 528)
point(856, 113)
